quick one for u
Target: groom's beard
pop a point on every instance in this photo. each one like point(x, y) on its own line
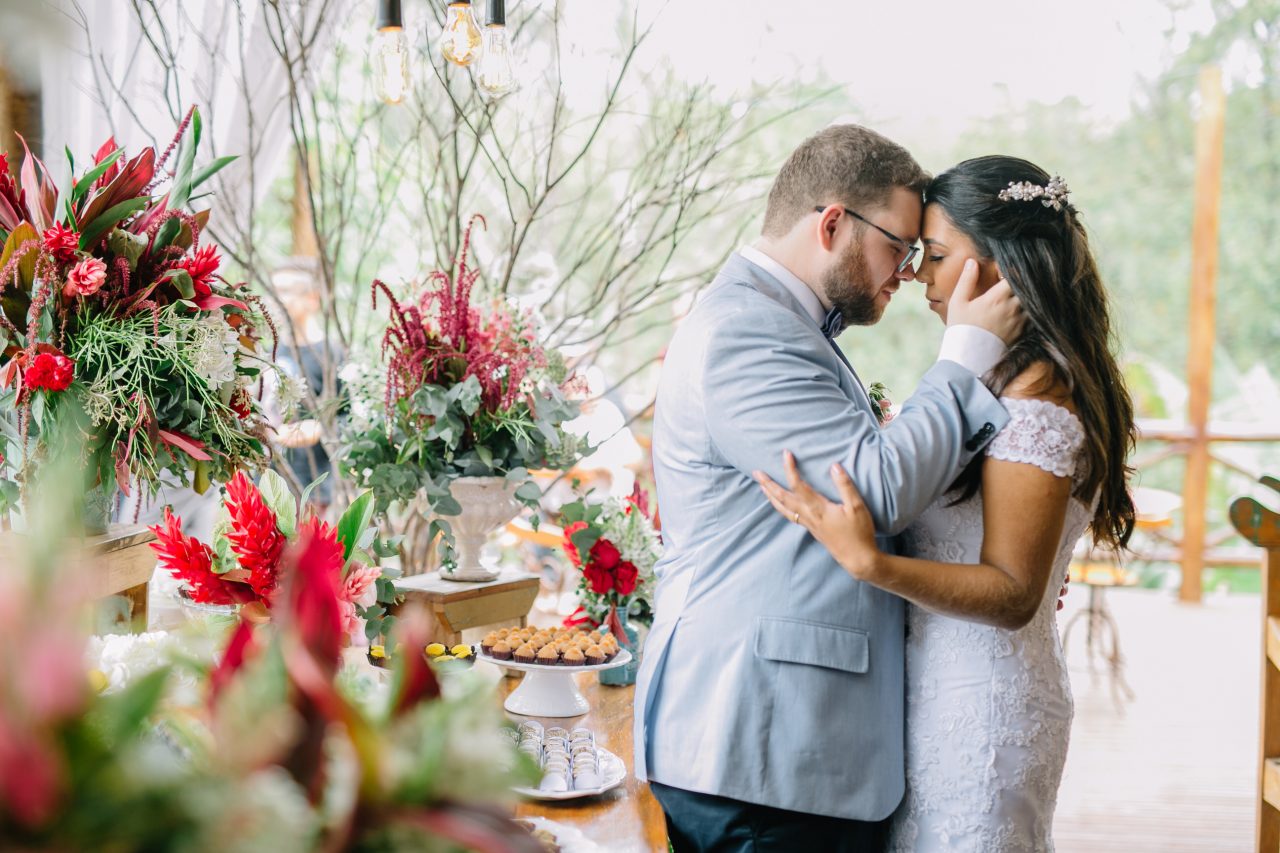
point(848, 287)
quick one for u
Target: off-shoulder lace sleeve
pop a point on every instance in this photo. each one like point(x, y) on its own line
point(1039, 433)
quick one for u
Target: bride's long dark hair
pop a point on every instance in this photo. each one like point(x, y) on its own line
point(1044, 254)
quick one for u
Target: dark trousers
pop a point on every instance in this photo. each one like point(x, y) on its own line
point(704, 823)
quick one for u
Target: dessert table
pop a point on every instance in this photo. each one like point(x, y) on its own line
point(625, 820)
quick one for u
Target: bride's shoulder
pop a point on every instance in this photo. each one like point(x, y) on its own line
point(1040, 382)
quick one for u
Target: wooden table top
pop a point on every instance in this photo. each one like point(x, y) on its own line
point(625, 819)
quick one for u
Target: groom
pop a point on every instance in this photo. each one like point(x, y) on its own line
point(769, 706)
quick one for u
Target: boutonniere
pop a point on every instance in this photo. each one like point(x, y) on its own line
point(880, 401)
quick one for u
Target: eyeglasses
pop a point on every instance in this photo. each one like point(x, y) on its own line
point(911, 250)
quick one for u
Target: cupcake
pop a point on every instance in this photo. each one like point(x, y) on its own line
point(500, 651)
point(490, 640)
point(525, 654)
point(594, 655)
point(574, 657)
point(548, 656)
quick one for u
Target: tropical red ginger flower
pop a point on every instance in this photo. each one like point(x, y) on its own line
point(254, 537)
point(85, 279)
point(356, 588)
point(50, 372)
point(61, 242)
point(201, 266)
point(190, 561)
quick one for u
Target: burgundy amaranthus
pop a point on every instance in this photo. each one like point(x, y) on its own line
point(444, 339)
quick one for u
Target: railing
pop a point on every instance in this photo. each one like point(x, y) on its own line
point(1199, 546)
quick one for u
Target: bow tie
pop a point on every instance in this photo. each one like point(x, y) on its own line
point(833, 324)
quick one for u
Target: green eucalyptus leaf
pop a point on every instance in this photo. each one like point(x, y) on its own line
point(530, 492)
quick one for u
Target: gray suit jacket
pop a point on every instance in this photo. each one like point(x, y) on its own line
point(770, 675)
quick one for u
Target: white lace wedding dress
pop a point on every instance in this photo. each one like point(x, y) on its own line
point(989, 710)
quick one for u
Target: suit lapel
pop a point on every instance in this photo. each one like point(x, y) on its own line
point(738, 268)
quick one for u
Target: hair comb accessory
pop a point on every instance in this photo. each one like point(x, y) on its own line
point(1053, 194)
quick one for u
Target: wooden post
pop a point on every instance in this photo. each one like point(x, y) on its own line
point(1204, 271)
point(7, 142)
point(302, 226)
point(1261, 526)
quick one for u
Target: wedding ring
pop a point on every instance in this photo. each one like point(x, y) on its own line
point(797, 518)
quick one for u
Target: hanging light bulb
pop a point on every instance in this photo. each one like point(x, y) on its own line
point(461, 41)
point(496, 70)
point(389, 53)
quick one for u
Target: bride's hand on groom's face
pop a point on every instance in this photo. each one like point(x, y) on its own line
point(845, 528)
point(998, 310)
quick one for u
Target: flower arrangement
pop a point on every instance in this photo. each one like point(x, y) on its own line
point(116, 321)
point(271, 755)
point(255, 524)
point(469, 393)
point(621, 547)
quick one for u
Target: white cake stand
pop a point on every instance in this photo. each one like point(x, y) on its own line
point(550, 691)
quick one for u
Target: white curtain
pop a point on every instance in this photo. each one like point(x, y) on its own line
point(111, 77)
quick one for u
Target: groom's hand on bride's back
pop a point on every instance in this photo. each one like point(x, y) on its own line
point(998, 310)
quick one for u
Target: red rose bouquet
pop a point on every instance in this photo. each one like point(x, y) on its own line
point(621, 546)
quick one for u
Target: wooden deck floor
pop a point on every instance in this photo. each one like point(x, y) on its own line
point(1176, 770)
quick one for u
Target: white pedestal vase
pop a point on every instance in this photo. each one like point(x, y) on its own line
point(487, 503)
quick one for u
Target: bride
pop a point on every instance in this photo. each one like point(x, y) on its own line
point(988, 699)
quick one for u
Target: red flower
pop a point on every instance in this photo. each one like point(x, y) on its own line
point(418, 682)
point(50, 372)
point(625, 578)
point(85, 279)
point(190, 561)
point(254, 537)
point(201, 266)
point(605, 555)
point(241, 404)
point(569, 548)
point(598, 578)
point(61, 242)
point(638, 498)
point(240, 648)
point(315, 591)
point(108, 148)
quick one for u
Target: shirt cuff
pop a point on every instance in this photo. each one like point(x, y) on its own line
point(973, 348)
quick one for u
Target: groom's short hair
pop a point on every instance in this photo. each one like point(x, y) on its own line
point(845, 164)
